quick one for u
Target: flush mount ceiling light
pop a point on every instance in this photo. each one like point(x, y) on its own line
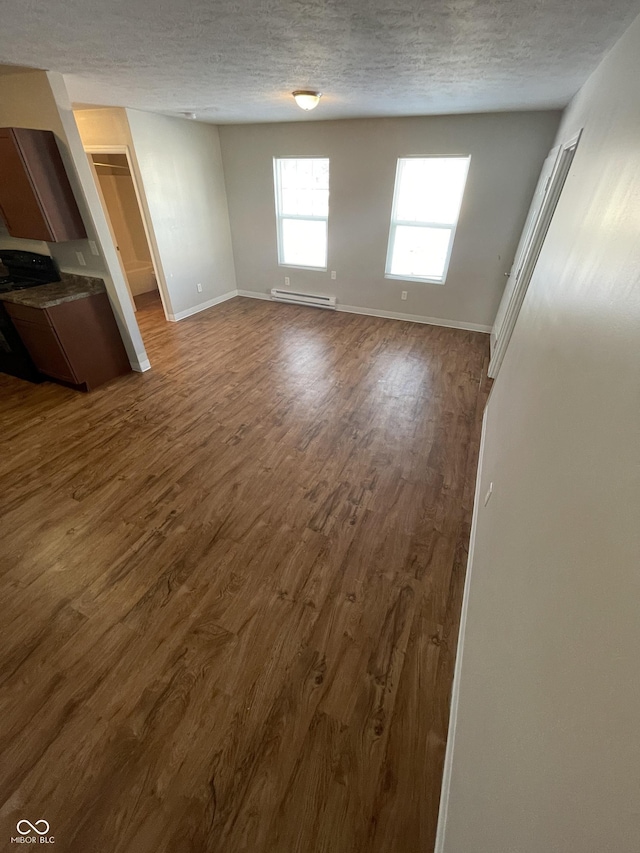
point(306, 99)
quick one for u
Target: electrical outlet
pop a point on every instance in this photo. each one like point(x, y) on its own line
point(403, 295)
point(287, 281)
point(333, 275)
point(81, 259)
point(94, 247)
point(199, 287)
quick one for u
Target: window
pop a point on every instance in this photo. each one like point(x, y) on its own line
point(302, 209)
point(426, 205)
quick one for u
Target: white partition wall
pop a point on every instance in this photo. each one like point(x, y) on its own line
point(544, 750)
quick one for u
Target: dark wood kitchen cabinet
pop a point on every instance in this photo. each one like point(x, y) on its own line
point(77, 342)
point(36, 199)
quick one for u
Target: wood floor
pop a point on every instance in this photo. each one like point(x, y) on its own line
point(231, 586)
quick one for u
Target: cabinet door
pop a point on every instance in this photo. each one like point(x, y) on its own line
point(35, 194)
point(45, 349)
point(87, 330)
point(19, 203)
point(42, 158)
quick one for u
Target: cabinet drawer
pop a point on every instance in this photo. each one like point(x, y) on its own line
point(36, 316)
point(45, 349)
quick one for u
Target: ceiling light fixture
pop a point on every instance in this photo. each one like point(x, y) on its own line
point(306, 99)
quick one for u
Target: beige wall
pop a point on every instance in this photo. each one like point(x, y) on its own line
point(125, 217)
point(507, 151)
point(109, 126)
point(546, 754)
point(26, 100)
point(105, 126)
point(180, 168)
point(131, 214)
point(37, 99)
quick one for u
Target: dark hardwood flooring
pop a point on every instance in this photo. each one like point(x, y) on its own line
point(148, 300)
point(231, 586)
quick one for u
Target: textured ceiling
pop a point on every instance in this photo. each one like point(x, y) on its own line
point(237, 60)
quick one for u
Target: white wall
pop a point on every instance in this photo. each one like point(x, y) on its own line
point(26, 100)
point(506, 149)
point(180, 169)
point(37, 99)
point(546, 756)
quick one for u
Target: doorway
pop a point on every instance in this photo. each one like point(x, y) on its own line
point(131, 235)
point(545, 200)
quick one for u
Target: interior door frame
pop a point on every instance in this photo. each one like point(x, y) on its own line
point(532, 249)
point(147, 225)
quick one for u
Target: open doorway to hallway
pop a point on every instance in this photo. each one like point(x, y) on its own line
point(129, 229)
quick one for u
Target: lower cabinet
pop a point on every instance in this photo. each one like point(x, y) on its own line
point(45, 350)
point(76, 342)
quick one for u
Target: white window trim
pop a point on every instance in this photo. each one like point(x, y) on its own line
point(311, 218)
point(452, 228)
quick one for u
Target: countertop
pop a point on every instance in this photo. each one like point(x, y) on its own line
point(69, 288)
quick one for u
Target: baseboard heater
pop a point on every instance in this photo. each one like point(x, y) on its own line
point(297, 298)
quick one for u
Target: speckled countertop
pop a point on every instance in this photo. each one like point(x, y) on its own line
point(69, 288)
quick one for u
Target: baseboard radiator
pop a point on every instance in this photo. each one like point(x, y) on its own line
point(297, 298)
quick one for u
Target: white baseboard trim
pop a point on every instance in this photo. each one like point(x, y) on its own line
point(414, 318)
point(188, 312)
point(389, 315)
point(141, 366)
point(455, 693)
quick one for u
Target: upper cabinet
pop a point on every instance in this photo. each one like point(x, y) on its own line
point(36, 200)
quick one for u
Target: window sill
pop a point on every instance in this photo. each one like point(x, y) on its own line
point(300, 267)
point(415, 278)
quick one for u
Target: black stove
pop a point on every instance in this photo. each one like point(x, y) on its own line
point(18, 271)
point(25, 269)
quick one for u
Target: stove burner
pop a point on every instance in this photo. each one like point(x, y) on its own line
point(25, 269)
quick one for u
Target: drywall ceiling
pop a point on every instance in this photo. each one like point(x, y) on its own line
point(238, 60)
